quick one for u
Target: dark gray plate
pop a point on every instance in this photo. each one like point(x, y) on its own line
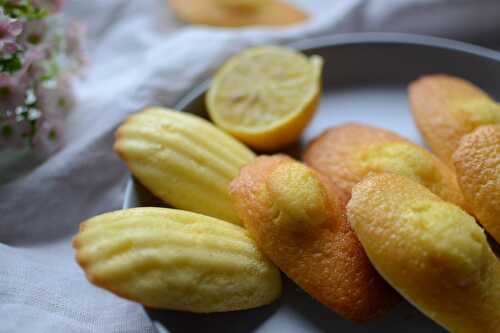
point(365, 80)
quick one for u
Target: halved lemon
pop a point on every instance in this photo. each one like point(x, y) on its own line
point(266, 96)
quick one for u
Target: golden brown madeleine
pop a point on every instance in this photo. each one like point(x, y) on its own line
point(446, 108)
point(183, 159)
point(477, 161)
point(429, 250)
point(173, 259)
point(250, 4)
point(224, 14)
point(297, 217)
point(348, 153)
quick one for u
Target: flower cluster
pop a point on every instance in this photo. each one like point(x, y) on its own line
point(38, 57)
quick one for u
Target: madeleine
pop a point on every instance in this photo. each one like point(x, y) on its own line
point(177, 260)
point(429, 250)
point(348, 153)
point(238, 13)
point(477, 161)
point(183, 160)
point(297, 218)
point(446, 108)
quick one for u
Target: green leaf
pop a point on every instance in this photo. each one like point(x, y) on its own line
point(11, 64)
point(51, 71)
point(4, 91)
point(61, 102)
point(7, 131)
point(53, 135)
point(34, 39)
point(23, 9)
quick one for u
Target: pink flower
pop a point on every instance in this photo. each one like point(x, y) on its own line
point(12, 92)
point(34, 33)
point(39, 59)
point(9, 30)
point(49, 135)
point(74, 44)
point(13, 86)
point(11, 131)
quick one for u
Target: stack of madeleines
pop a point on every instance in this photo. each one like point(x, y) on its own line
point(366, 218)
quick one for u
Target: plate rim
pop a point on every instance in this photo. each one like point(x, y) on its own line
point(341, 39)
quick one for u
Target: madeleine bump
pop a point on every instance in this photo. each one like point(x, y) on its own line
point(348, 153)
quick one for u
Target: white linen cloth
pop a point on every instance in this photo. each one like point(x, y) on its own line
point(141, 55)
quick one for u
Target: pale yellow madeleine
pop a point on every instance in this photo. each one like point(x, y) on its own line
point(446, 108)
point(173, 259)
point(477, 161)
point(348, 153)
point(429, 250)
point(182, 159)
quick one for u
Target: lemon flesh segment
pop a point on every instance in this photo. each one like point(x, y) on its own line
point(265, 96)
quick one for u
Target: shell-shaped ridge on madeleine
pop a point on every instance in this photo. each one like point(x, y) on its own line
point(172, 259)
point(182, 159)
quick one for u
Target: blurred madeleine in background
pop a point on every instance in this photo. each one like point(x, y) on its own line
point(238, 13)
